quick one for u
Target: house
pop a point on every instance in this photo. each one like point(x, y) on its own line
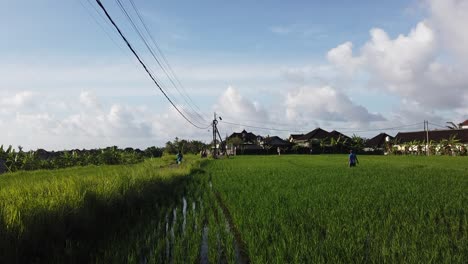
point(294, 137)
point(243, 143)
point(275, 142)
point(378, 142)
point(246, 137)
point(463, 125)
point(434, 135)
point(338, 135)
point(313, 137)
point(440, 141)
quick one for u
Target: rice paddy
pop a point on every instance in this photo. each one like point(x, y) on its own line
point(257, 209)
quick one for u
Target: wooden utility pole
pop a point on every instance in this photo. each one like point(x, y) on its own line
point(215, 122)
point(215, 139)
point(426, 128)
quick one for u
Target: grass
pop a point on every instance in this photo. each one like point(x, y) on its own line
point(268, 209)
point(70, 215)
point(306, 209)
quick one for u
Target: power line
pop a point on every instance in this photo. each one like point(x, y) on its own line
point(99, 24)
point(387, 128)
point(171, 71)
point(438, 125)
point(197, 116)
point(135, 27)
point(259, 127)
point(144, 66)
point(304, 131)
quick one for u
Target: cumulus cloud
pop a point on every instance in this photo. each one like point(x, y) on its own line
point(87, 123)
point(232, 103)
point(407, 66)
point(326, 104)
point(14, 102)
point(342, 57)
point(401, 59)
point(449, 19)
point(89, 100)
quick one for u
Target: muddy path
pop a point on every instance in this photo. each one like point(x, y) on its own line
point(242, 255)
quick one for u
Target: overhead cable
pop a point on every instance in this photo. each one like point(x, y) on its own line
point(196, 115)
point(144, 66)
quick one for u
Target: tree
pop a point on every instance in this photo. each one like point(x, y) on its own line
point(357, 143)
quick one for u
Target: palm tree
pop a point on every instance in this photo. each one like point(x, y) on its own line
point(357, 143)
point(432, 147)
point(333, 144)
point(323, 144)
point(454, 144)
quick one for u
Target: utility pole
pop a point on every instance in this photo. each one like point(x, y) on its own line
point(215, 122)
point(426, 128)
point(215, 139)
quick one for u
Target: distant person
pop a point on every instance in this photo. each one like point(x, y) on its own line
point(279, 151)
point(179, 157)
point(353, 160)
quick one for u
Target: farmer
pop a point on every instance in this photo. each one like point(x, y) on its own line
point(353, 160)
point(179, 157)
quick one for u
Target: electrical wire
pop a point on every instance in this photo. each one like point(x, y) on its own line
point(438, 125)
point(195, 116)
point(145, 67)
point(165, 61)
point(304, 131)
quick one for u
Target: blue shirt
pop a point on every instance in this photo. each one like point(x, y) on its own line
point(352, 158)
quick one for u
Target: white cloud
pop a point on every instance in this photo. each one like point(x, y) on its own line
point(232, 103)
point(19, 100)
point(401, 59)
point(325, 104)
point(342, 57)
point(87, 123)
point(89, 100)
point(449, 19)
point(408, 67)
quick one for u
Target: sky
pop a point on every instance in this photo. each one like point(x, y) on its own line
point(67, 80)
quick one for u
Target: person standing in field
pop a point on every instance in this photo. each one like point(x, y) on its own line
point(278, 150)
point(353, 160)
point(179, 157)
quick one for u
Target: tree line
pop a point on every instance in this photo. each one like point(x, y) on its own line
point(12, 159)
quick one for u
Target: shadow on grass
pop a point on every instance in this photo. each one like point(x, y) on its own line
point(75, 235)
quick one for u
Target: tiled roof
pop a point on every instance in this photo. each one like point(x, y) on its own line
point(317, 133)
point(245, 136)
point(275, 141)
point(335, 134)
point(378, 141)
point(296, 136)
point(435, 135)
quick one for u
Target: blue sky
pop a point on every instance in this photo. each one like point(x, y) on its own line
point(358, 65)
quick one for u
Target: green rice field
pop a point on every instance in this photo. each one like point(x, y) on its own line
point(309, 209)
point(246, 209)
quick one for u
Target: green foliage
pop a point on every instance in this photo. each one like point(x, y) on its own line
point(185, 146)
point(357, 143)
point(314, 209)
point(280, 209)
point(41, 159)
point(74, 215)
